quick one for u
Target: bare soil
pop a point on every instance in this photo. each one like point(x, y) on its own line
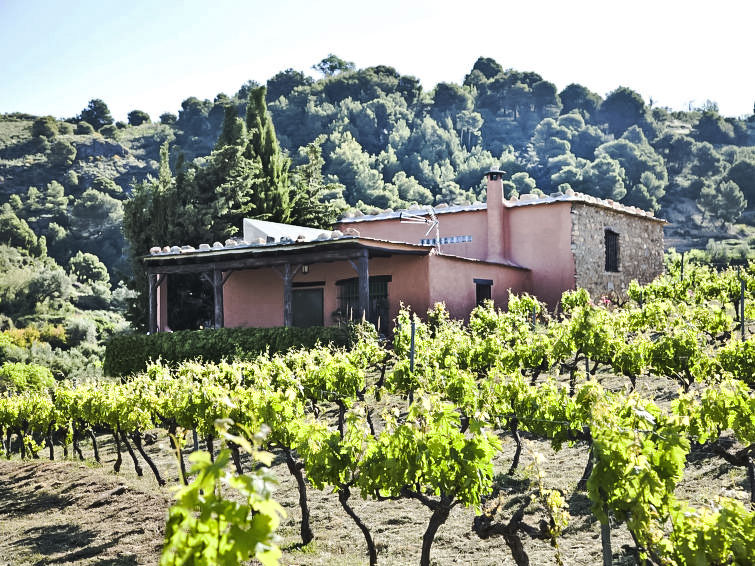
point(69, 512)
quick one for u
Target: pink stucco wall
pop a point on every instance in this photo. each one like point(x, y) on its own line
point(255, 297)
point(539, 237)
point(452, 282)
point(536, 237)
point(467, 223)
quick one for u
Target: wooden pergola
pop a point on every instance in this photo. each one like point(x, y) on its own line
point(217, 265)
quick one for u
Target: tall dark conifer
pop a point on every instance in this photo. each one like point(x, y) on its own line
point(272, 200)
point(234, 130)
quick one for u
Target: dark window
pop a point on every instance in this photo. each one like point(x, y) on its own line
point(307, 306)
point(483, 290)
point(348, 300)
point(612, 250)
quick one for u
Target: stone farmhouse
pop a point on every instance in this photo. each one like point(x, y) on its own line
point(282, 275)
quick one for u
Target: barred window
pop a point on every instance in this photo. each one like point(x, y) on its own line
point(348, 300)
point(612, 250)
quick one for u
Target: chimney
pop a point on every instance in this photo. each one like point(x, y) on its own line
point(495, 214)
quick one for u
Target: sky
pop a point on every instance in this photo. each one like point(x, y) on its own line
point(56, 55)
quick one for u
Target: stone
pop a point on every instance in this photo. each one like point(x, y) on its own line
point(640, 248)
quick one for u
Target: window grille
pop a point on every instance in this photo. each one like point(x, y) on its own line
point(348, 300)
point(612, 250)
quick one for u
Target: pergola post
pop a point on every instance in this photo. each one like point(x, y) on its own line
point(364, 286)
point(288, 296)
point(152, 290)
point(217, 295)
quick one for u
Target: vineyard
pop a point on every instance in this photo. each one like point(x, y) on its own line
point(443, 416)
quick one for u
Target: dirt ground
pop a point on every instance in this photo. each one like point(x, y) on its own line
point(69, 512)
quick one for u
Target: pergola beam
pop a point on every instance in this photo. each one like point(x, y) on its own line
point(256, 262)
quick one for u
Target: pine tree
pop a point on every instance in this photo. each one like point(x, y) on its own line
point(308, 208)
point(731, 202)
point(724, 202)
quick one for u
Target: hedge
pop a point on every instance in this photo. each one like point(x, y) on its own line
point(130, 353)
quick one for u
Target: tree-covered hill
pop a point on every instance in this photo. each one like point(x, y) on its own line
point(386, 142)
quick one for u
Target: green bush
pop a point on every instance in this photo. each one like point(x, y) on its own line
point(130, 353)
point(108, 131)
point(45, 126)
point(138, 117)
point(84, 128)
point(79, 330)
point(168, 118)
point(16, 378)
point(62, 154)
point(5, 345)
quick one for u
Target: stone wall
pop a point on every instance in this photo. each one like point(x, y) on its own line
point(640, 249)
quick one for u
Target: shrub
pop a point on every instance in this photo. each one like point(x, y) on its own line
point(130, 353)
point(83, 128)
point(62, 154)
point(6, 322)
point(5, 344)
point(65, 128)
point(87, 268)
point(24, 337)
point(108, 131)
point(16, 377)
point(80, 330)
point(44, 127)
point(55, 335)
point(94, 296)
point(71, 179)
point(168, 118)
point(138, 117)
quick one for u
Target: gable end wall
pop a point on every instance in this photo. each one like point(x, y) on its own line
point(640, 249)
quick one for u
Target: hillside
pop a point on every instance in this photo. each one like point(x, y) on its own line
point(387, 143)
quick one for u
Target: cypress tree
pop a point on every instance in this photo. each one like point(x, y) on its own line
point(272, 199)
point(234, 130)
